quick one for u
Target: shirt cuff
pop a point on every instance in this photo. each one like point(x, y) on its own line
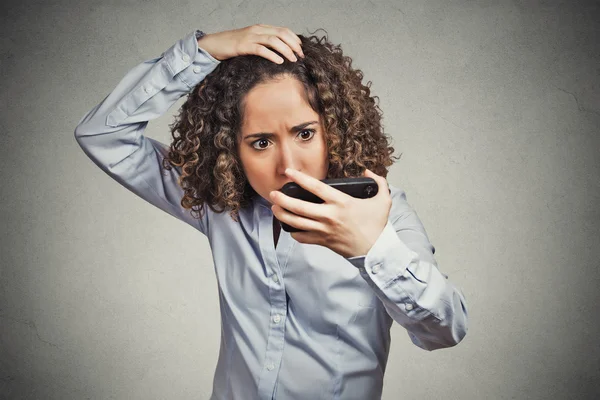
point(190, 62)
point(357, 261)
point(201, 50)
point(387, 258)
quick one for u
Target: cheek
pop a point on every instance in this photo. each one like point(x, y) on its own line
point(254, 167)
point(324, 149)
point(250, 167)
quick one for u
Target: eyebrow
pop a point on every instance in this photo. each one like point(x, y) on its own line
point(293, 129)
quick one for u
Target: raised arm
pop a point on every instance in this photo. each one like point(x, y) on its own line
point(111, 133)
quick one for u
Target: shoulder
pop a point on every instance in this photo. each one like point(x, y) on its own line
point(401, 209)
point(399, 200)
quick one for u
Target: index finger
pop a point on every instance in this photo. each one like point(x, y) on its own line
point(315, 186)
point(288, 37)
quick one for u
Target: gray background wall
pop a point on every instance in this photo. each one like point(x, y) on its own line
point(494, 105)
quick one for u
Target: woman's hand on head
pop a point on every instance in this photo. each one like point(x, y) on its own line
point(253, 39)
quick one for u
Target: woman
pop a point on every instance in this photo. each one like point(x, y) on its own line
point(305, 315)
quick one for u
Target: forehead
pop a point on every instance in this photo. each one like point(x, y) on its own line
point(277, 100)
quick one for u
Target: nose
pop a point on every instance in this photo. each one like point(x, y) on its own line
point(286, 159)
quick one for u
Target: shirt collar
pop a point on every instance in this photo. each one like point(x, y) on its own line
point(258, 199)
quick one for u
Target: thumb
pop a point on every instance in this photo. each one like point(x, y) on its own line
point(380, 180)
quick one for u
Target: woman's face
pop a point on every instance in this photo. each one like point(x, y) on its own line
point(280, 130)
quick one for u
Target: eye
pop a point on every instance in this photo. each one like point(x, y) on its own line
point(310, 131)
point(259, 141)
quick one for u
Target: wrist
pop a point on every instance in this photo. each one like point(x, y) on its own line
point(205, 43)
point(199, 36)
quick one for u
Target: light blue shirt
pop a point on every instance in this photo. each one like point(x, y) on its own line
point(298, 321)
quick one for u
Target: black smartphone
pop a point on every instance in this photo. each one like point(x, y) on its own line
point(360, 187)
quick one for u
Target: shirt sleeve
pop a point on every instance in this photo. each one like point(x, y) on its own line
point(402, 270)
point(111, 133)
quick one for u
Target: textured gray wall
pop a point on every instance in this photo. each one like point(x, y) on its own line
point(494, 104)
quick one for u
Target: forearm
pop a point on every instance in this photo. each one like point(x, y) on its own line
point(401, 268)
point(111, 133)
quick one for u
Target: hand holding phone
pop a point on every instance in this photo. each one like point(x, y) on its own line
point(360, 187)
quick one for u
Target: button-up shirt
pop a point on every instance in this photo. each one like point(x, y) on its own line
point(298, 321)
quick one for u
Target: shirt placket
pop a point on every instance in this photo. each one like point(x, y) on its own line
point(274, 259)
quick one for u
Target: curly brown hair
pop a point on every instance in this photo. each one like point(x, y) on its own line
point(205, 133)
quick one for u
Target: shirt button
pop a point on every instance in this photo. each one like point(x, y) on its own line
point(275, 278)
point(375, 269)
point(277, 318)
point(408, 306)
point(185, 58)
point(197, 69)
point(148, 89)
point(270, 367)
